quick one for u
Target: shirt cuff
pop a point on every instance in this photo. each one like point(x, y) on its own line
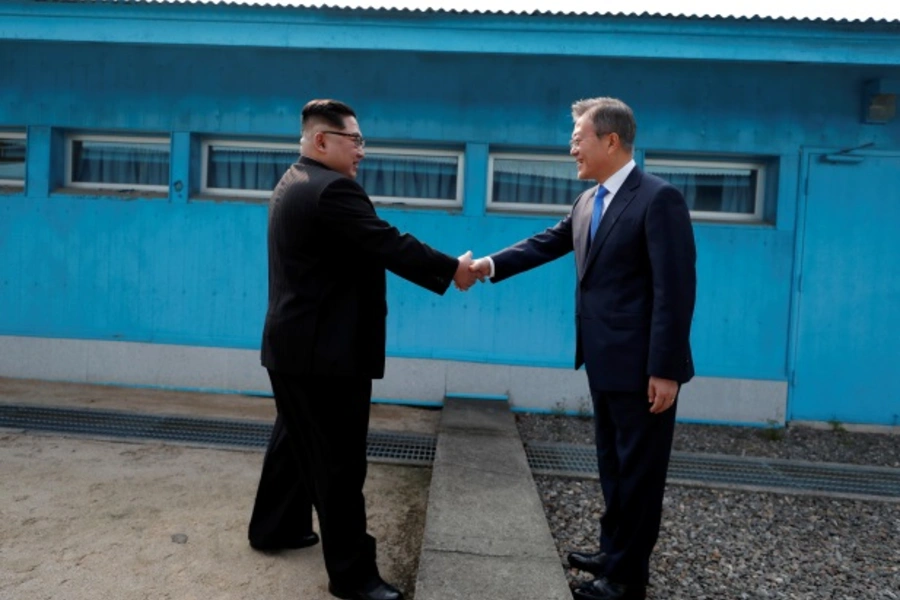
point(491, 260)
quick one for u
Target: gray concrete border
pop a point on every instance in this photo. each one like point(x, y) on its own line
point(486, 535)
point(407, 380)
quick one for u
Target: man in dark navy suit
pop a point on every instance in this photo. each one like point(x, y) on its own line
point(324, 342)
point(634, 301)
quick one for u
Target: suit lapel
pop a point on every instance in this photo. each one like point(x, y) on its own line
point(581, 225)
point(623, 197)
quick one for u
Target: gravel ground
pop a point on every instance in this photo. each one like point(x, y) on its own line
point(794, 443)
point(722, 544)
point(729, 544)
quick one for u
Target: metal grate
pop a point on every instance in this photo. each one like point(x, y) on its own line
point(405, 448)
point(382, 446)
point(849, 480)
point(418, 449)
point(546, 458)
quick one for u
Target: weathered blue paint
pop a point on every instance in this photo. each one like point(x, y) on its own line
point(486, 397)
point(848, 314)
point(179, 269)
point(183, 164)
point(515, 101)
point(408, 402)
point(476, 177)
point(143, 270)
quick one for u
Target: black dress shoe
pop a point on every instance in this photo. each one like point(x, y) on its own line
point(276, 546)
point(592, 563)
point(604, 589)
point(374, 589)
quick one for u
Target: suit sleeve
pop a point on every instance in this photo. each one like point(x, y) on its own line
point(550, 244)
point(673, 257)
point(346, 209)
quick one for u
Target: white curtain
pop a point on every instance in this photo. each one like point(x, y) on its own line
point(408, 176)
point(536, 182)
point(236, 168)
point(109, 162)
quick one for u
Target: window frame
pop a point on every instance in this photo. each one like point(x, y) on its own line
point(71, 138)
point(207, 191)
point(16, 135)
point(216, 192)
point(758, 214)
point(527, 207)
point(456, 202)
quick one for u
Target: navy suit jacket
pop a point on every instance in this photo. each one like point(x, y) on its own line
point(634, 298)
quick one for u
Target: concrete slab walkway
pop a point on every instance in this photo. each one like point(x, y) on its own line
point(486, 535)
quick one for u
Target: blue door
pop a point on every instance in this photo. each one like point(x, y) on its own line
point(847, 352)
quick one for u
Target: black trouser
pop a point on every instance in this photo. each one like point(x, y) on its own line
point(282, 512)
point(326, 421)
point(633, 449)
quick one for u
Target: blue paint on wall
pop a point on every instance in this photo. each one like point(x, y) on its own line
point(189, 271)
point(847, 314)
point(245, 26)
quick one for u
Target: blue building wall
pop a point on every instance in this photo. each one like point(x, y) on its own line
point(188, 271)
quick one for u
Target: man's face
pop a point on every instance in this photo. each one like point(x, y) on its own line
point(341, 149)
point(593, 155)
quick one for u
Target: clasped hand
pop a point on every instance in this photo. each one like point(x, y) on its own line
point(469, 271)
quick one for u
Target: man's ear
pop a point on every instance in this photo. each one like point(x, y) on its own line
point(614, 140)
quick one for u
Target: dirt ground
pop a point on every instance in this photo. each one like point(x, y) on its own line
point(390, 417)
point(97, 519)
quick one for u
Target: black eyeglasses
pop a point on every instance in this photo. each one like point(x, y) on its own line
point(358, 140)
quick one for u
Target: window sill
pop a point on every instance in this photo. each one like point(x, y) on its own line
point(107, 193)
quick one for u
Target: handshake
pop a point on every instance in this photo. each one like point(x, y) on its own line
point(469, 271)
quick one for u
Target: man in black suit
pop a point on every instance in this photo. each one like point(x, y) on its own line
point(324, 342)
point(634, 301)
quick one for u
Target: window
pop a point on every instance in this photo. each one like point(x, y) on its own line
point(401, 176)
point(244, 169)
point(411, 176)
point(531, 182)
point(12, 159)
point(117, 163)
point(717, 190)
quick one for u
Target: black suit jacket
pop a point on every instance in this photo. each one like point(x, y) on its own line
point(634, 299)
point(328, 252)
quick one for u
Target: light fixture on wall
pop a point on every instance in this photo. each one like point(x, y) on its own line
point(880, 100)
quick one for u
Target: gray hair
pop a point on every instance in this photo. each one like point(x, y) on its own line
point(608, 115)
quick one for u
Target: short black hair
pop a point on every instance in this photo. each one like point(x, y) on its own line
point(332, 112)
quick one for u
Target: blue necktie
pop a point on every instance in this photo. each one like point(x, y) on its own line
point(598, 210)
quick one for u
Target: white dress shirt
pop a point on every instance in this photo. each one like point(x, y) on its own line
point(612, 185)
